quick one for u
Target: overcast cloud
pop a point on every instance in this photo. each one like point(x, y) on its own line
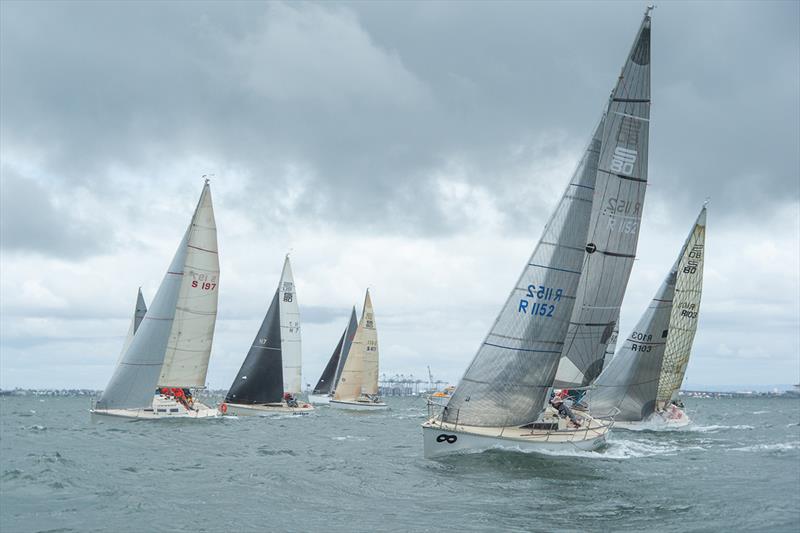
point(415, 148)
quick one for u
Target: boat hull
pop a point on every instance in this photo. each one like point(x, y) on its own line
point(234, 409)
point(162, 409)
point(358, 406)
point(319, 399)
point(675, 418)
point(442, 439)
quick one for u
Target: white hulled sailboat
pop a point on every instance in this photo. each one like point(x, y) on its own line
point(269, 380)
point(357, 387)
point(640, 386)
point(170, 348)
point(502, 399)
point(326, 385)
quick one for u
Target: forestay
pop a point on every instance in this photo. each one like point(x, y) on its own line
point(192, 332)
point(685, 314)
point(614, 228)
point(508, 380)
point(290, 332)
point(260, 380)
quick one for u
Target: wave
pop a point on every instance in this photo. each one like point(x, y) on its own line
point(714, 428)
point(615, 449)
point(349, 437)
point(780, 446)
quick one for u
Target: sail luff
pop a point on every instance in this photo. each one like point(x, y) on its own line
point(614, 230)
point(509, 378)
point(192, 333)
point(290, 332)
point(260, 378)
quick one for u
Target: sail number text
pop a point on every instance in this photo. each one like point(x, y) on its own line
point(204, 282)
point(536, 300)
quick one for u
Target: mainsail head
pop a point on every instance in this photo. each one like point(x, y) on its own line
point(614, 229)
point(135, 378)
point(290, 331)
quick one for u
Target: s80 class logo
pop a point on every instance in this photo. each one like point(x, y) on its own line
point(449, 438)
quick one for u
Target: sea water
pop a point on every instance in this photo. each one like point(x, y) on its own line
point(737, 468)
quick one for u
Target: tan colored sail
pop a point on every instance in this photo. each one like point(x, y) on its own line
point(360, 372)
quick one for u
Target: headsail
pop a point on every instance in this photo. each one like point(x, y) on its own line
point(508, 380)
point(138, 314)
point(260, 380)
point(360, 371)
point(290, 332)
point(628, 388)
point(685, 312)
point(192, 333)
point(616, 214)
point(136, 376)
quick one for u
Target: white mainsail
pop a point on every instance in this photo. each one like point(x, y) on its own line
point(360, 371)
point(628, 388)
point(685, 315)
point(190, 339)
point(614, 230)
point(137, 374)
point(290, 332)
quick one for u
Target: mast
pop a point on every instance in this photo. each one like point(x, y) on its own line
point(616, 214)
point(135, 378)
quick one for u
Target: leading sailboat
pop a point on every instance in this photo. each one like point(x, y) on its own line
point(270, 377)
point(502, 400)
point(640, 386)
point(357, 388)
point(168, 354)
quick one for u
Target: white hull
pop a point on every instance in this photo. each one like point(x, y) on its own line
point(673, 419)
point(355, 405)
point(234, 409)
point(162, 409)
point(319, 399)
point(441, 438)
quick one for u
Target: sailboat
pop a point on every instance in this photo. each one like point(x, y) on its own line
point(270, 377)
point(640, 386)
point(167, 354)
point(326, 385)
point(357, 387)
point(502, 399)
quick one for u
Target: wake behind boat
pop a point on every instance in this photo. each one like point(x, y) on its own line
point(357, 389)
point(585, 255)
point(169, 347)
point(269, 380)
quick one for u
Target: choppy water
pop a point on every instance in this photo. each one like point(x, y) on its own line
point(737, 469)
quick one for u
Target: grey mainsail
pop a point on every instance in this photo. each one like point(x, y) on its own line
point(135, 378)
point(627, 389)
point(508, 380)
point(349, 335)
point(616, 214)
point(326, 380)
point(260, 379)
point(139, 312)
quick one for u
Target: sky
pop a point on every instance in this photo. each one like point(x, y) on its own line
point(413, 148)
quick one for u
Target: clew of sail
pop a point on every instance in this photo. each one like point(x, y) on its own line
point(614, 228)
point(627, 389)
point(290, 332)
point(260, 379)
point(137, 374)
point(685, 313)
point(508, 379)
point(359, 373)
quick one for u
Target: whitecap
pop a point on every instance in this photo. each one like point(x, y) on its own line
point(778, 446)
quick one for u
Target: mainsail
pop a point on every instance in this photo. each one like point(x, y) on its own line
point(616, 213)
point(192, 333)
point(136, 375)
point(360, 371)
point(508, 380)
point(627, 389)
point(330, 376)
point(260, 380)
point(290, 332)
point(685, 312)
